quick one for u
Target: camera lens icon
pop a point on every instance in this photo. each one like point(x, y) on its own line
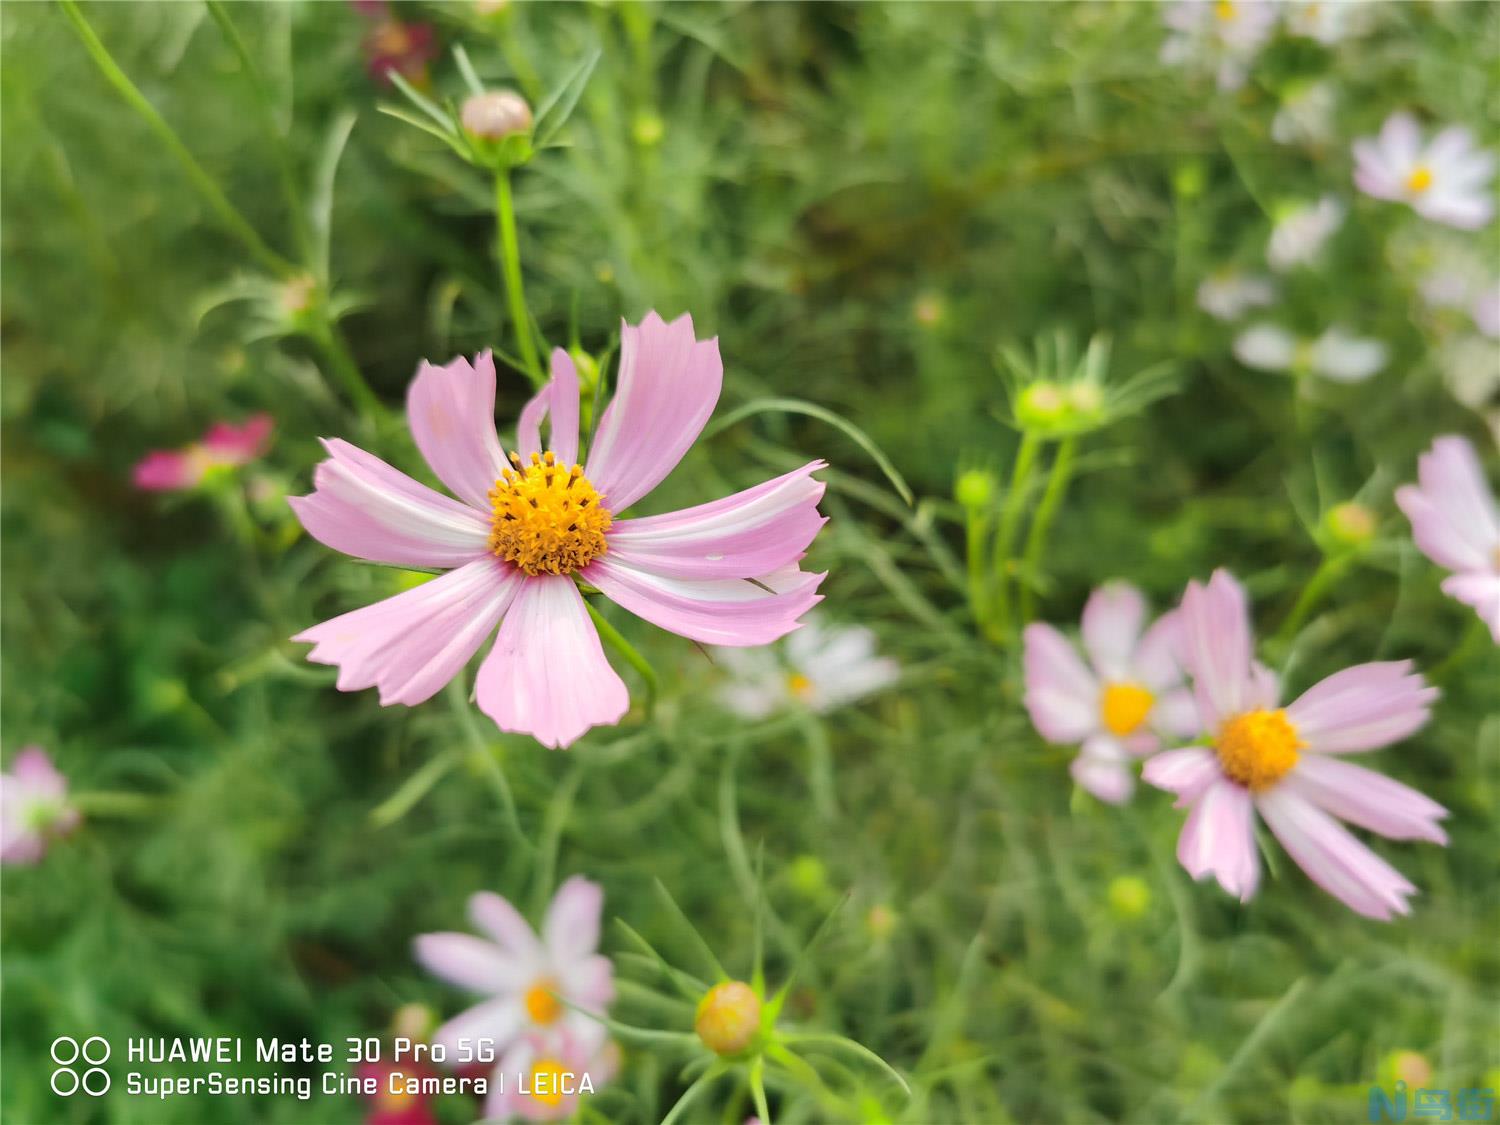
point(68, 1053)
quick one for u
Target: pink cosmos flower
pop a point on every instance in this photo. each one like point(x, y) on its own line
point(542, 1077)
point(225, 445)
point(536, 985)
point(1120, 703)
point(1456, 523)
point(521, 535)
point(34, 808)
point(1285, 763)
point(1445, 180)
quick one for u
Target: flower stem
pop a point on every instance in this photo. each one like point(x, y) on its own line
point(977, 534)
point(1327, 573)
point(510, 272)
point(1010, 518)
point(612, 637)
point(326, 335)
point(233, 221)
point(1041, 524)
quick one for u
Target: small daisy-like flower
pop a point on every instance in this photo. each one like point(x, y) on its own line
point(1329, 21)
point(1336, 354)
point(1285, 763)
point(1306, 115)
point(224, 446)
point(1121, 702)
point(34, 807)
point(826, 666)
point(536, 985)
point(1470, 366)
point(1445, 180)
point(524, 532)
point(1299, 235)
point(542, 1077)
point(1225, 34)
point(1456, 523)
point(1228, 294)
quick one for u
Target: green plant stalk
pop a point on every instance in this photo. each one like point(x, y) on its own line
point(327, 336)
point(233, 221)
point(612, 637)
point(1328, 572)
point(1010, 518)
point(976, 536)
point(1041, 524)
point(510, 272)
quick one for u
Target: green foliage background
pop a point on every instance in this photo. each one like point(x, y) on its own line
point(261, 849)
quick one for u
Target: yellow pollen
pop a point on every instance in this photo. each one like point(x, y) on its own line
point(1419, 180)
point(542, 1004)
point(392, 1100)
point(548, 518)
point(799, 685)
point(1225, 10)
point(1257, 749)
point(547, 1081)
point(1124, 707)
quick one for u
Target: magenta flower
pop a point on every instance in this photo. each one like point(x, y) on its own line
point(522, 534)
point(1118, 705)
point(1456, 523)
point(391, 45)
point(224, 446)
point(34, 808)
point(536, 985)
point(1284, 764)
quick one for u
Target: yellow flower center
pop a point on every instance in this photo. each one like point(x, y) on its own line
point(542, 1004)
point(548, 518)
point(395, 1098)
point(547, 1081)
point(1225, 10)
point(390, 38)
point(1257, 749)
point(1124, 707)
point(799, 685)
point(1419, 180)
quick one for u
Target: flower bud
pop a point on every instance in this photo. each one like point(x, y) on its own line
point(414, 1022)
point(881, 921)
point(808, 875)
point(728, 1017)
point(1410, 1067)
point(496, 114)
point(1043, 405)
point(975, 488)
point(929, 310)
point(648, 130)
point(1129, 897)
point(298, 294)
point(1351, 524)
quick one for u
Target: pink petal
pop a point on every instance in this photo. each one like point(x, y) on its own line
point(451, 412)
point(559, 398)
point(34, 770)
point(1453, 513)
point(363, 507)
point(742, 536)
point(1216, 645)
point(1101, 768)
point(469, 962)
point(547, 675)
point(235, 445)
point(1175, 713)
point(590, 982)
point(500, 1019)
point(1062, 695)
point(410, 645)
point(1155, 662)
point(713, 611)
point(571, 930)
point(1332, 857)
point(1219, 840)
point(504, 924)
point(1112, 622)
point(1401, 139)
point(1186, 772)
point(167, 471)
point(1465, 210)
point(668, 386)
point(1482, 591)
point(1362, 708)
point(1368, 799)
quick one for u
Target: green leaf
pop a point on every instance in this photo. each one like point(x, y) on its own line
point(558, 105)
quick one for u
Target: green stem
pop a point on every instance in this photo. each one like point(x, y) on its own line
point(1010, 518)
point(233, 221)
point(612, 637)
point(1041, 524)
point(977, 533)
point(458, 699)
point(1327, 573)
point(341, 362)
point(510, 271)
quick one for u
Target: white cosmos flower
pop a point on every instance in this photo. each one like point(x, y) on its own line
point(1471, 369)
point(825, 666)
point(1445, 179)
point(1329, 21)
point(1299, 236)
point(1223, 34)
point(1229, 294)
point(1306, 116)
point(1336, 354)
point(1486, 310)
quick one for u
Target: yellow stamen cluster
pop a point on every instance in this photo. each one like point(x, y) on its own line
point(1225, 10)
point(1259, 748)
point(1124, 707)
point(541, 1001)
point(548, 518)
point(547, 1081)
point(1419, 180)
point(799, 685)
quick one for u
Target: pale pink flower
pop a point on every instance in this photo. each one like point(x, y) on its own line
point(224, 446)
point(1486, 310)
point(1306, 115)
point(542, 1077)
point(826, 666)
point(1445, 179)
point(1121, 702)
point(1284, 763)
point(1329, 21)
point(1336, 354)
point(545, 985)
point(1224, 34)
point(34, 807)
point(522, 534)
point(1300, 235)
point(1228, 294)
point(1456, 523)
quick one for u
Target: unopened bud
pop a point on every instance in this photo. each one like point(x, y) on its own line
point(809, 875)
point(1085, 396)
point(1129, 897)
point(297, 294)
point(1410, 1067)
point(975, 488)
point(1351, 524)
point(929, 310)
point(648, 130)
point(496, 114)
point(414, 1022)
point(728, 1017)
point(881, 921)
point(1043, 405)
